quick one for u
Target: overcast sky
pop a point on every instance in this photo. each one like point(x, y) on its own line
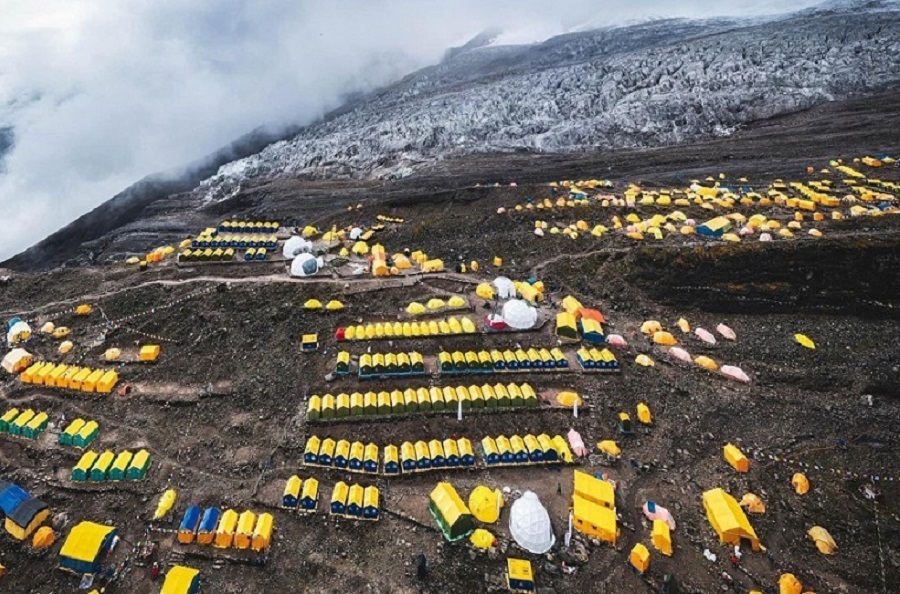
point(100, 93)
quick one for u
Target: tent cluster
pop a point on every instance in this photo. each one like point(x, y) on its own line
point(82, 550)
point(527, 450)
point(26, 423)
point(394, 330)
point(207, 255)
point(109, 466)
point(79, 433)
point(24, 513)
point(387, 219)
point(70, 377)
point(389, 364)
point(496, 361)
point(227, 529)
point(341, 454)
point(531, 291)
point(410, 400)
point(254, 227)
point(594, 507)
point(423, 456)
point(436, 305)
point(355, 501)
point(235, 241)
point(316, 305)
point(593, 359)
point(303, 495)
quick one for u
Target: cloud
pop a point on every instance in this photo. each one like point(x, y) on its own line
point(99, 93)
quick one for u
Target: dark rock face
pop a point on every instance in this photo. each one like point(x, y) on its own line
point(661, 83)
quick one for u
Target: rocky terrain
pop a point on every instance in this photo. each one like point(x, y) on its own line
point(664, 82)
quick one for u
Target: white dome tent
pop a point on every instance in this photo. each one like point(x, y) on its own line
point(306, 265)
point(296, 245)
point(506, 289)
point(529, 524)
point(355, 233)
point(19, 331)
point(519, 315)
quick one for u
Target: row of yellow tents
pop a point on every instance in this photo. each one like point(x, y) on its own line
point(411, 400)
point(68, 377)
point(315, 304)
point(436, 304)
point(445, 327)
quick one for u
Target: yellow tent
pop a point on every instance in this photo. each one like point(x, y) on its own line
point(83, 310)
point(485, 291)
point(683, 325)
point(644, 361)
point(45, 537)
point(436, 304)
point(181, 580)
point(415, 309)
point(112, 354)
point(735, 457)
point(664, 338)
point(569, 399)
point(593, 489)
point(594, 520)
point(360, 248)
point(706, 363)
point(753, 504)
point(166, 501)
point(312, 304)
point(456, 302)
point(482, 539)
point(608, 446)
point(804, 340)
point(823, 540)
point(662, 537)
point(643, 414)
point(728, 519)
point(789, 584)
point(800, 483)
point(571, 305)
point(334, 305)
point(651, 327)
point(639, 557)
point(66, 346)
point(485, 504)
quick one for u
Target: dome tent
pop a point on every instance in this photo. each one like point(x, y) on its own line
point(506, 289)
point(306, 265)
point(355, 233)
point(529, 524)
point(485, 504)
point(296, 245)
point(519, 315)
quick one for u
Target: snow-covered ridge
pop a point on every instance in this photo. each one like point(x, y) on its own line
point(650, 84)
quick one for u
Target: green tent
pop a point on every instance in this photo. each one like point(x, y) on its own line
point(8, 418)
point(87, 434)
point(342, 406)
point(137, 470)
point(101, 466)
point(314, 409)
point(65, 438)
point(398, 404)
point(410, 401)
point(120, 466)
point(452, 516)
point(356, 404)
point(36, 426)
point(327, 406)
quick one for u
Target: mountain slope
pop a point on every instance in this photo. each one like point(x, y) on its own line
point(664, 82)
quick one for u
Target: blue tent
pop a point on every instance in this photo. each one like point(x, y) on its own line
point(191, 519)
point(210, 519)
point(11, 497)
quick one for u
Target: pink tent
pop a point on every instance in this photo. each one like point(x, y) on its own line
point(654, 511)
point(727, 332)
point(735, 373)
point(705, 336)
point(577, 444)
point(495, 322)
point(680, 354)
point(616, 340)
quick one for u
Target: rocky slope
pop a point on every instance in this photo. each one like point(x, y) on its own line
point(658, 83)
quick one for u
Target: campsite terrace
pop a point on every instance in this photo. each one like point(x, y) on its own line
point(246, 440)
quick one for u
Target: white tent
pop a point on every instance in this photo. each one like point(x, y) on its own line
point(306, 265)
point(296, 245)
point(519, 315)
point(355, 233)
point(529, 524)
point(506, 289)
point(15, 360)
point(18, 332)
